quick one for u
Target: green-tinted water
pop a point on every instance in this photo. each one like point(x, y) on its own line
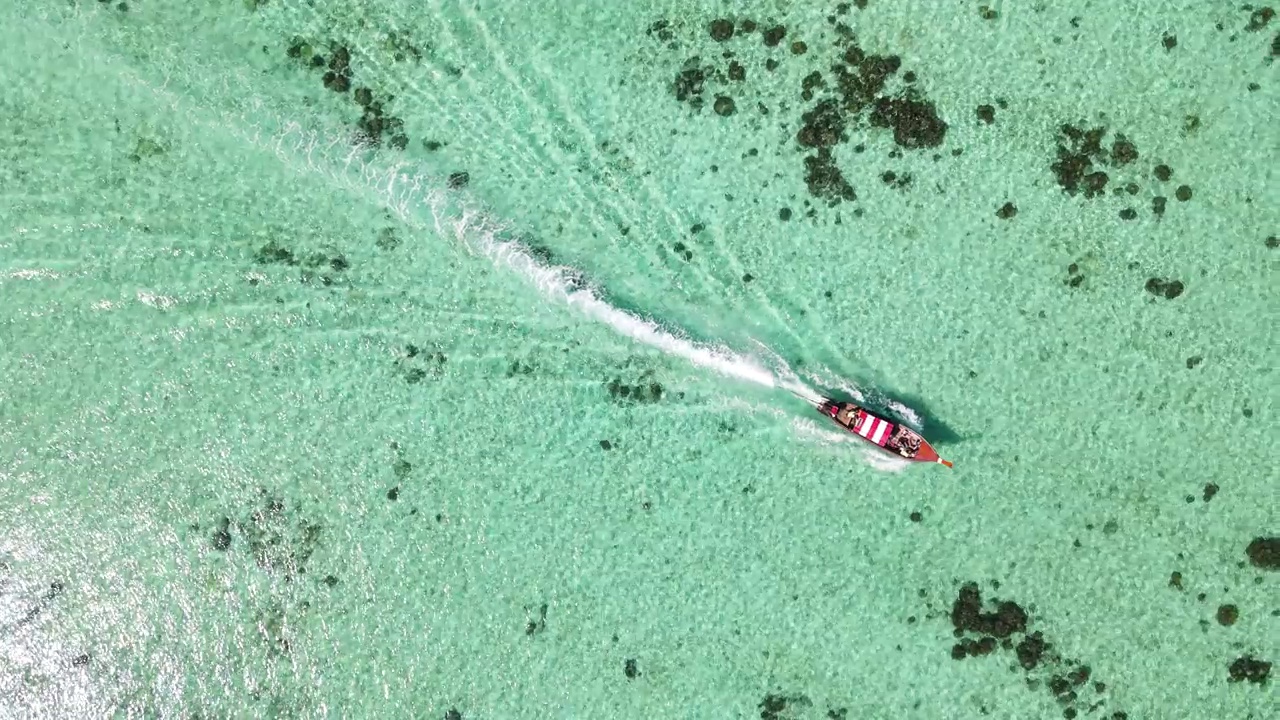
point(288, 431)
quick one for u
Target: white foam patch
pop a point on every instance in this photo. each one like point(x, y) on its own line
point(824, 376)
point(787, 378)
point(161, 302)
point(560, 283)
point(743, 407)
point(906, 412)
point(33, 274)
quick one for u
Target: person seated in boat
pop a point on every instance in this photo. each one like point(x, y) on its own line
point(904, 441)
point(848, 414)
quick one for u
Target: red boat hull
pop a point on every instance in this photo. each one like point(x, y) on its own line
point(894, 438)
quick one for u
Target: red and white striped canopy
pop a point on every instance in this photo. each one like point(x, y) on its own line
point(873, 428)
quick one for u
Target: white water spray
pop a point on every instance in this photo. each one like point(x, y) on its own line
point(559, 283)
point(788, 379)
point(823, 376)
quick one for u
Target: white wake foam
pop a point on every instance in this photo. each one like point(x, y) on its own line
point(414, 196)
point(787, 378)
point(561, 284)
point(824, 376)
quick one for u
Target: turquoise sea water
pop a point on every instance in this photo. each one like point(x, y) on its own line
point(292, 426)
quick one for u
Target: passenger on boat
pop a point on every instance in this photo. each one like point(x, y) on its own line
point(904, 441)
point(848, 414)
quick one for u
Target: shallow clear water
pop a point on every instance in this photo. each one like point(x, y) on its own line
point(296, 427)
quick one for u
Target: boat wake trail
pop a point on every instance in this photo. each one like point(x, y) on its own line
point(826, 378)
point(414, 196)
point(480, 233)
point(423, 201)
point(562, 283)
